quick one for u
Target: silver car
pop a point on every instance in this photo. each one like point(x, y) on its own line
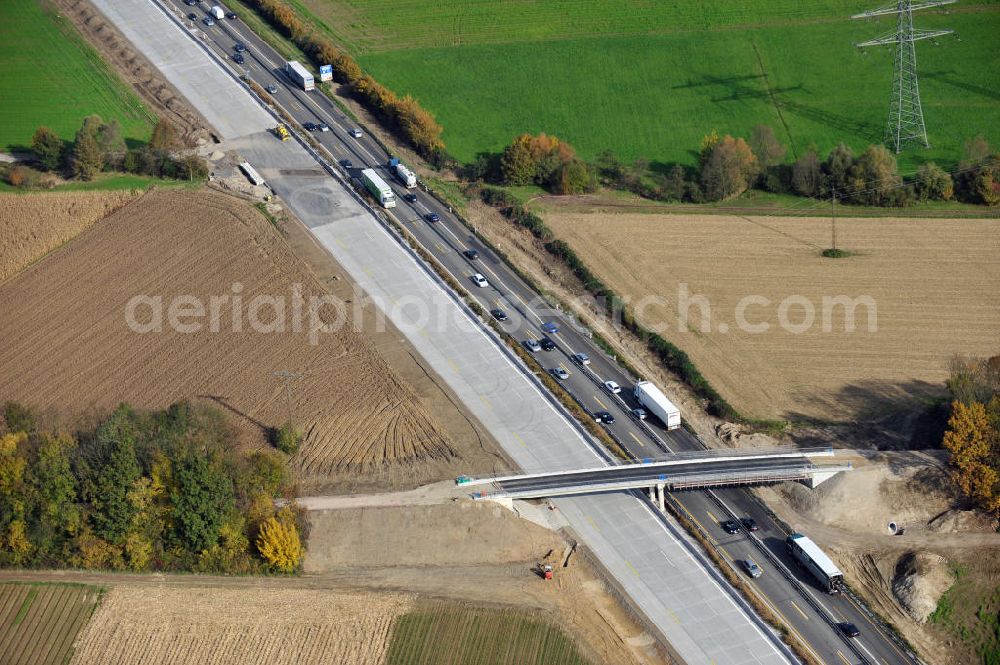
point(753, 570)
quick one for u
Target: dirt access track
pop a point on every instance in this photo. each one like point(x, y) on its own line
point(934, 285)
point(68, 346)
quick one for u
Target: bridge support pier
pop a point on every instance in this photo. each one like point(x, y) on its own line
point(660, 491)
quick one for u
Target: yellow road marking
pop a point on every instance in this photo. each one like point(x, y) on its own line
point(518, 438)
point(440, 246)
point(714, 518)
point(486, 402)
point(593, 524)
point(843, 658)
point(632, 568)
point(637, 439)
point(799, 610)
point(599, 402)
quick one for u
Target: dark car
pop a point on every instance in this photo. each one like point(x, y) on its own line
point(410, 197)
point(499, 314)
point(347, 164)
point(471, 254)
point(310, 126)
point(323, 127)
point(849, 629)
point(239, 47)
point(232, 16)
point(750, 523)
point(547, 344)
point(190, 3)
point(604, 417)
point(432, 217)
point(550, 327)
point(730, 526)
point(208, 20)
point(238, 58)
point(272, 89)
point(192, 16)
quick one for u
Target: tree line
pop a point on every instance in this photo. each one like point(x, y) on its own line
point(143, 491)
point(729, 166)
point(973, 434)
point(98, 146)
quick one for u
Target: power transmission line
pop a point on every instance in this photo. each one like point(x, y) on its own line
point(906, 115)
point(288, 376)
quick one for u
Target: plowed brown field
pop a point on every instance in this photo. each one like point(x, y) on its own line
point(32, 224)
point(211, 626)
point(65, 343)
point(935, 284)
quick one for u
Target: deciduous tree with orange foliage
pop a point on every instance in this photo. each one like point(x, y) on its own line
point(973, 434)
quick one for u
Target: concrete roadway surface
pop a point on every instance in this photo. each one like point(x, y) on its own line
point(447, 239)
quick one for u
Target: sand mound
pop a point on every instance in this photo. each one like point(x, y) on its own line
point(890, 487)
point(921, 579)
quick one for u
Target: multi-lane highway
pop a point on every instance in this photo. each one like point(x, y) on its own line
point(791, 593)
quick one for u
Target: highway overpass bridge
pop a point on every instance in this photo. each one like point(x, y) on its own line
point(694, 470)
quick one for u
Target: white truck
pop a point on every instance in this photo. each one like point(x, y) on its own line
point(405, 175)
point(217, 12)
point(299, 74)
point(378, 188)
point(654, 401)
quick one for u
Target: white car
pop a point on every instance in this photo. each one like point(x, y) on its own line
point(559, 373)
point(639, 413)
point(480, 281)
point(612, 387)
point(356, 133)
point(532, 345)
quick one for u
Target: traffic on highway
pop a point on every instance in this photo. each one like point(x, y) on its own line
point(735, 521)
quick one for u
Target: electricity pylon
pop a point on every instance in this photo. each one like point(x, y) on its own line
point(906, 117)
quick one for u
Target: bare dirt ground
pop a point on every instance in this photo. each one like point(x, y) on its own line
point(935, 284)
point(361, 419)
point(476, 552)
point(142, 624)
point(33, 224)
point(136, 69)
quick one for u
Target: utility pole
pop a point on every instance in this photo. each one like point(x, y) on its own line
point(833, 218)
point(906, 116)
point(288, 376)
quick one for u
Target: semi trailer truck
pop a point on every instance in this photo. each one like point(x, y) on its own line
point(815, 560)
point(654, 401)
point(378, 188)
point(405, 175)
point(299, 74)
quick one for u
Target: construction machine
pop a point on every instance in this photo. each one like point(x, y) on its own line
point(282, 132)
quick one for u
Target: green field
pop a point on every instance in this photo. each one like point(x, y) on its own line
point(38, 622)
point(446, 635)
point(649, 79)
point(52, 77)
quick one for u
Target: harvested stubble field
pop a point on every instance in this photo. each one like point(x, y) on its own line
point(77, 352)
point(935, 284)
point(214, 626)
point(38, 622)
point(33, 224)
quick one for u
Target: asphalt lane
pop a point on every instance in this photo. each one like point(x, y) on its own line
point(447, 239)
